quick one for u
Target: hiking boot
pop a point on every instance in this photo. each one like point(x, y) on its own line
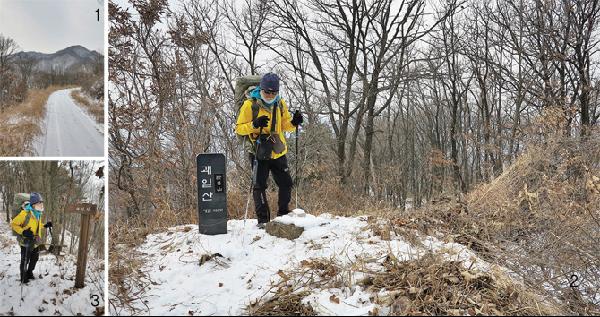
point(30, 276)
point(261, 225)
point(282, 213)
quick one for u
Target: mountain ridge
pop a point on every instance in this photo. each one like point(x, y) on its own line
point(71, 59)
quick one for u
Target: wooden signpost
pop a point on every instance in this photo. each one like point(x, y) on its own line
point(87, 211)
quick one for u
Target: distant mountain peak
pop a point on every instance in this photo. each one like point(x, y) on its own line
point(70, 59)
point(77, 50)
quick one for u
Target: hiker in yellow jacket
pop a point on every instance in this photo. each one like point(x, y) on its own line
point(267, 126)
point(28, 225)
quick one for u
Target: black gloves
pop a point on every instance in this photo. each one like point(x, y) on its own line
point(48, 224)
point(263, 121)
point(297, 119)
point(28, 233)
point(260, 122)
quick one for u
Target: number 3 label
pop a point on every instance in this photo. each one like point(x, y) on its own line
point(95, 300)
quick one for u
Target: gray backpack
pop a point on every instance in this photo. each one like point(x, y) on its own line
point(243, 87)
point(18, 202)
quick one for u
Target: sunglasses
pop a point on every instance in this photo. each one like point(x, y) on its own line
point(271, 92)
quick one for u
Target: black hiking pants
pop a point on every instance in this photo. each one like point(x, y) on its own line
point(34, 255)
point(281, 175)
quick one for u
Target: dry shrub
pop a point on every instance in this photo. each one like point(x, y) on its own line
point(330, 197)
point(284, 304)
point(547, 207)
point(387, 226)
point(127, 280)
point(318, 197)
point(238, 195)
point(426, 286)
point(20, 124)
point(96, 109)
point(433, 286)
point(540, 219)
point(285, 297)
point(125, 263)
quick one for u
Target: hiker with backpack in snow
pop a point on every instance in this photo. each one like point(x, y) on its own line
point(262, 120)
point(28, 226)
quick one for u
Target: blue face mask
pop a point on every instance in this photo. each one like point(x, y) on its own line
point(256, 94)
point(272, 102)
point(36, 213)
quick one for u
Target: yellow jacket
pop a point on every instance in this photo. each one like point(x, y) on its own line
point(37, 227)
point(244, 123)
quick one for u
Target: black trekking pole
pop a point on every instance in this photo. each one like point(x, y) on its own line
point(296, 182)
point(254, 175)
point(25, 264)
point(51, 239)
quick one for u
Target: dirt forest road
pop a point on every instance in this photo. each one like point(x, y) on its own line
point(68, 130)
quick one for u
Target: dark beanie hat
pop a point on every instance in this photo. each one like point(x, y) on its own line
point(35, 198)
point(269, 81)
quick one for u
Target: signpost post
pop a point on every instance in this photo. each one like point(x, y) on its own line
point(212, 193)
point(87, 211)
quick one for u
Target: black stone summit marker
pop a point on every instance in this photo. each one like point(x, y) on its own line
point(212, 193)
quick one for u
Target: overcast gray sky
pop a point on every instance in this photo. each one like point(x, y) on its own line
point(48, 26)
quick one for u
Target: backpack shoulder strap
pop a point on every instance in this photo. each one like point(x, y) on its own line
point(280, 108)
point(254, 109)
point(27, 219)
point(274, 117)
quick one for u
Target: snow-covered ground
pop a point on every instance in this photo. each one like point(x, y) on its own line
point(49, 293)
point(68, 130)
point(250, 262)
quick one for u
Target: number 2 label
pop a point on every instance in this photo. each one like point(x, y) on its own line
point(574, 278)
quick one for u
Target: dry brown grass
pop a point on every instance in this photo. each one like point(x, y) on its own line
point(318, 198)
point(285, 303)
point(540, 219)
point(426, 286)
point(20, 124)
point(96, 109)
point(127, 280)
point(433, 286)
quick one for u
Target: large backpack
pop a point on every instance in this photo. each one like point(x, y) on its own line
point(17, 206)
point(244, 85)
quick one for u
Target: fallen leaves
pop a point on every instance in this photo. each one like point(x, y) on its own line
point(334, 299)
point(207, 257)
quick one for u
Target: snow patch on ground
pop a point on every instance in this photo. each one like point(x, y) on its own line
point(49, 293)
point(15, 120)
point(249, 260)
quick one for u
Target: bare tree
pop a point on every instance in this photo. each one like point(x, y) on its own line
point(583, 18)
point(8, 47)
